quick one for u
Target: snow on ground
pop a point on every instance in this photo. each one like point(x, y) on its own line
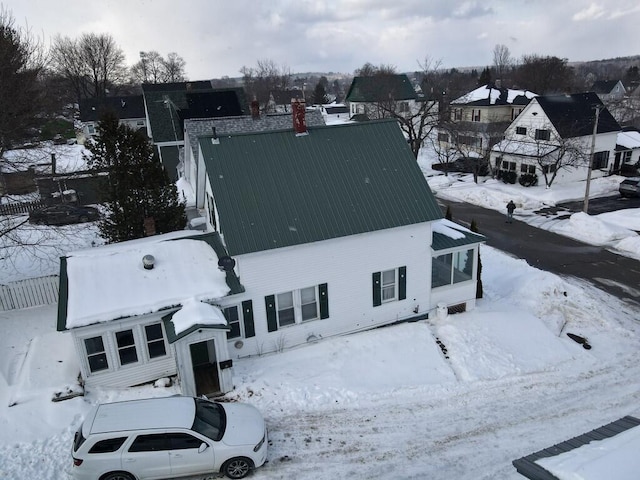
point(453, 398)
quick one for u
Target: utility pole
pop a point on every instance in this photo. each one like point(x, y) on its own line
point(585, 207)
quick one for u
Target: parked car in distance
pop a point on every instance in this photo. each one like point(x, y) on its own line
point(63, 214)
point(169, 437)
point(630, 187)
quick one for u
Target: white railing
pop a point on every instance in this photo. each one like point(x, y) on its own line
point(29, 293)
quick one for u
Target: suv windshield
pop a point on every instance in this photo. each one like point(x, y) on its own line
point(210, 419)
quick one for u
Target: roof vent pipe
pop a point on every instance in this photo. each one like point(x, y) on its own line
point(148, 262)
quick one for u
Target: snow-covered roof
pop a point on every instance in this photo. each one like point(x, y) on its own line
point(628, 140)
point(183, 269)
point(528, 149)
point(195, 312)
point(487, 95)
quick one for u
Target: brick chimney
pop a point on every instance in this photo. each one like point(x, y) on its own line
point(255, 109)
point(299, 116)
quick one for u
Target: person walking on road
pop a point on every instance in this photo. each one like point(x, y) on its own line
point(510, 208)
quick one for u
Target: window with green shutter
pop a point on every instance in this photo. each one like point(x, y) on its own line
point(297, 306)
point(389, 285)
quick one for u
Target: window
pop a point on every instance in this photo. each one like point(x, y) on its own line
point(443, 137)
point(470, 140)
point(475, 115)
point(91, 128)
point(521, 131)
point(309, 303)
point(457, 114)
point(96, 354)
point(452, 268)
point(515, 112)
point(626, 156)
point(233, 319)
point(506, 165)
point(126, 347)
point(108, 446)
point(150, 443)
point(183, 441)
point(525, 168)
point(155, 340)
point(600, 160)
point(286, 312)
point(403, 107)
point(546, 169)
point(542, 134)
point(389, 285)
point(296, 306)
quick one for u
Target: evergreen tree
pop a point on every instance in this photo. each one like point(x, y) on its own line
point(485, 77)
point(474, 228)
point(320, 94)
point(138, 189)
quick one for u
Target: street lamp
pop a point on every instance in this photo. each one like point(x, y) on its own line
point(598, 108)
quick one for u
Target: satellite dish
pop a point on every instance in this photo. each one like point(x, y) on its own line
point(226, 263)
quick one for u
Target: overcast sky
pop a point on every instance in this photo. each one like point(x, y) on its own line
point(217, 37)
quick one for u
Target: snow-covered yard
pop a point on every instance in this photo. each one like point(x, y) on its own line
point(454, 398)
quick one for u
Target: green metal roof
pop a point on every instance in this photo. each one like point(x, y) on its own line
point(379, 88)
point(444, 242)
point(278, 189)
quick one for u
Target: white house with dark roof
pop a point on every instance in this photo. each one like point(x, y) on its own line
point(627, 154)
point(129, 109)
point(551, 139)
point(320, 231)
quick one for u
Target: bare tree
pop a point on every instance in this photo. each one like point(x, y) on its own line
point(502, 60)
point(174, 68)
point(265, 77)
point(153, 68)
point(91, 64)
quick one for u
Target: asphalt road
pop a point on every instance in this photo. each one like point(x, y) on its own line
point(548, 251)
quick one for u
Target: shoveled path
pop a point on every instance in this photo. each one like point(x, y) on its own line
point(555, 253)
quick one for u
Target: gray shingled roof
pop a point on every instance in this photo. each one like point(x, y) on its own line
point(197, 127)
point(278, 189)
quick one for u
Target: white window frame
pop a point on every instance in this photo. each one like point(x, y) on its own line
point(147, 342)
point(240, 320)
point(297, 305)
point(391, 285)
point(104, 351)
point(118, 348)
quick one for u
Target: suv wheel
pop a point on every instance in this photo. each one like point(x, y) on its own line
point(238, 467)
point(117, 476)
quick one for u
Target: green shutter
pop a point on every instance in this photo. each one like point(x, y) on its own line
point(324, 300)
point(377, 291)
point(402, 283)
point(247, 315)
point(272, 318)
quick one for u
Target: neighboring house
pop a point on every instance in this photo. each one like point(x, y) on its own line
point(324, 231)
point(373, 97)
point(627, 157)
point(552, 136)
point(280, 100)
point(479, 118)
point(129, 109)
point(608, 90)
point(167, 105)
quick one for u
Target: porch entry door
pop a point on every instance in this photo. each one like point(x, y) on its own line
point(205, 368)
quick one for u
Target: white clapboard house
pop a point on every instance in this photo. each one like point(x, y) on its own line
point(322, 231)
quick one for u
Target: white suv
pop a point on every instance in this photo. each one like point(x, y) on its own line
point(169, 437)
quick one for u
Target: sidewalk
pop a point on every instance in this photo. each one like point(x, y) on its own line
point(615, 274)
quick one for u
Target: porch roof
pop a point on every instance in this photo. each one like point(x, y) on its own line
point(447, 234)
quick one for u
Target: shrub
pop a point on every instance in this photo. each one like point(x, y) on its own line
point(509, 176)
point(528, 180)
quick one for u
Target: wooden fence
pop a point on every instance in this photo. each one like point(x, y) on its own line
point(22, 207)
point(29, 293)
